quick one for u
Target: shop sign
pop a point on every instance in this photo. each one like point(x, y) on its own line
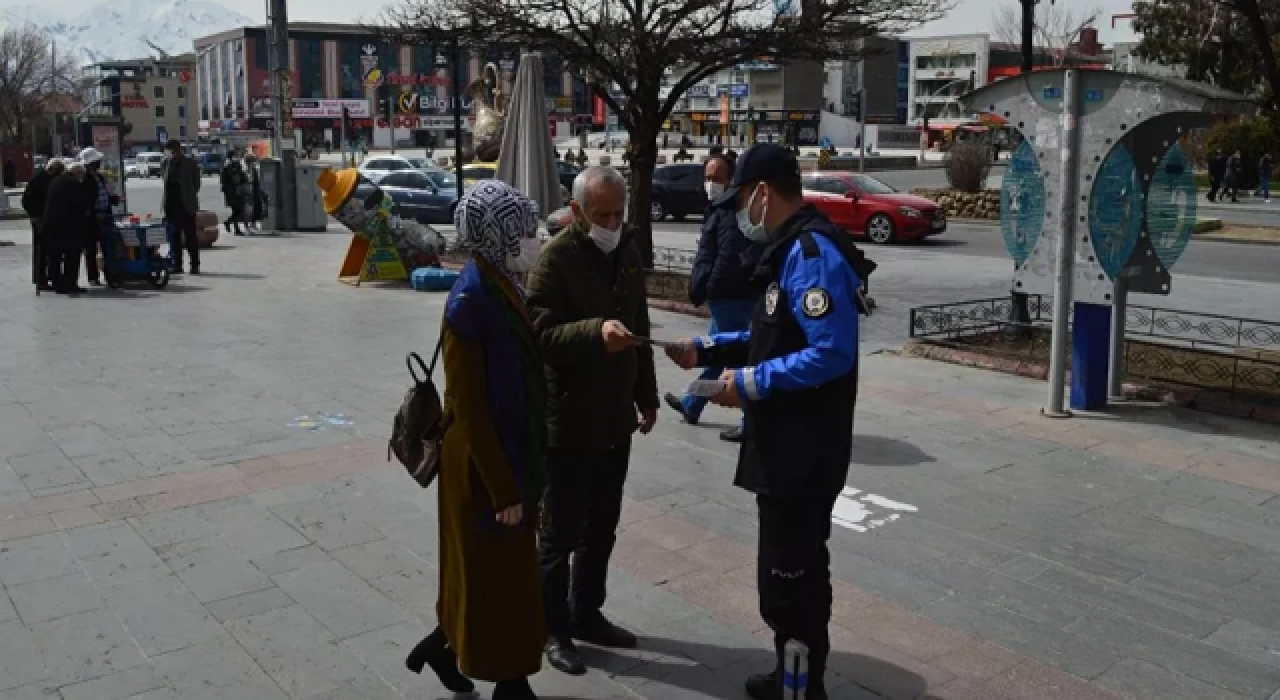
point(700, 91)
point(133, 102)
point(735, 90)
point(321, 109)
point(419, 122)
point(560, 105)
point(753, 66)
point(417, 103)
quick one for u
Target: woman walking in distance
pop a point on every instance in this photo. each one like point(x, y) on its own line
point(491, 624)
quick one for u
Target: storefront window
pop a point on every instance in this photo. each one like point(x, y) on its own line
point(224, 67)
point(424, 63)
point(205, 76)
point(238, 80)
point(310, 68)
point(349, 69)
point(261, 61)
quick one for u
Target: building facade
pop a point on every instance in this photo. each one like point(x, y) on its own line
point(336, 66)
point(881, 76)
point(752, 103)
point(157, 98)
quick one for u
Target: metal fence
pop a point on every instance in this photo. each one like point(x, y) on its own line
point(673, 259)
point(1197, 349)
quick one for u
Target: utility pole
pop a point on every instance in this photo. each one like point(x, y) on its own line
point(456, 50)
point(1021, 312)
point(282, 144)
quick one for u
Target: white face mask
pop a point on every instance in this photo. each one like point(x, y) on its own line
point(527, 258)
point(714, 189)
point(604, 238)
point(754, 232)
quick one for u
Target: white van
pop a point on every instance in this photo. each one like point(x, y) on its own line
point(149, 164)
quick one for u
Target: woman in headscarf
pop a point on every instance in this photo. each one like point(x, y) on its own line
point(491, 624)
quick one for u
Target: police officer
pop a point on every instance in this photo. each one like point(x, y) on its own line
point(797, 384)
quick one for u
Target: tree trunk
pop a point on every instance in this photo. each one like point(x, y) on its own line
point(1262, 37)
point(644, 156)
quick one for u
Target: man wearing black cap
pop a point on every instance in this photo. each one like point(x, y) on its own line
point(797, 382)
point(181, 176)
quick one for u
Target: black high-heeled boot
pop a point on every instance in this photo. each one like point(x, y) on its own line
point(513, 690)
point(434, 651)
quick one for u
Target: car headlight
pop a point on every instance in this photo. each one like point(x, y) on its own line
point(909, 212)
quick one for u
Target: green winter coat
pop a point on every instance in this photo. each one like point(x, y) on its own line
point(593, 396)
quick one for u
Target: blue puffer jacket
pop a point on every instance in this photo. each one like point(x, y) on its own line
point(725, 260)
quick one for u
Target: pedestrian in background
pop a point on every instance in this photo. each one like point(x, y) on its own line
point(233, 180)
point(591, 315)
point(34, 198)
point(1264, 176)
point(251, 193)
point(1231, 178)
point(1217, 171)
point(797, 382)
point(66, 213)
point(489, 607)
point(181, 176)
point(721, 278)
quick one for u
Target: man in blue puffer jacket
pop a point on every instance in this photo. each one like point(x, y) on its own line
point(720, 278)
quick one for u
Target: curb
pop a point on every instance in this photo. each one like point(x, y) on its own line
point(1175, 397)
point(1238, 241)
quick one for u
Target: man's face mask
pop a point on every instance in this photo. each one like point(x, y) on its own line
point(755, 232)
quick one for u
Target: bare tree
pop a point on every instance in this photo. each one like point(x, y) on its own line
point(29, 79)
point(641, 56)
point(1057, 27)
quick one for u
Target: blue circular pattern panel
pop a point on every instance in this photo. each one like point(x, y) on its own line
point(1171, 206)
point(1115, 211)
point(1022, 203)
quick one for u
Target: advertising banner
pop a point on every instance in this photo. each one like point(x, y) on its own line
point(330, 109)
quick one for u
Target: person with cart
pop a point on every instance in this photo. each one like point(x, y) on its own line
point(34, 198)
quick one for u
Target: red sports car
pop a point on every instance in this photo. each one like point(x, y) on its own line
point(866, 207)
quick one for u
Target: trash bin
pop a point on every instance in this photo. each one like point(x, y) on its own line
point(310, 201)
point(281, 211)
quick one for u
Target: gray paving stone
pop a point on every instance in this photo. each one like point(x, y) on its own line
point(85, 646)
point(160, 614)
point(118, 686)
point(1253, 534)
point(1136, 639)
point(1151, 682)
point(299, 653)
point(11, 487)
point(420, 534)
point(215, 669)
point(172, 526)
point(396, 572)
point(383, 652)
point(37, 691)
point(340, 600)
point(1247, 639)
point(212, 570)
point(254, 532)
point(242, 606)
point(52, 598)
point(48, 471)
point(114, 553)
point(326, 529)
point(1132, 601)
point(35, 558)
point(1028, 599)
point(635, 603)
point(21, 662)
point(114, 465)
point(904, 589)
point(291, 560)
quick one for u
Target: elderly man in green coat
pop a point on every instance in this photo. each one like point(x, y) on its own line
point(587, 301)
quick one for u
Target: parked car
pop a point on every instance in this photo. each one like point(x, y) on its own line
point(132, 168)
point(150, 163)
point(210, 163)
point(417, 196)
point(472, 172)
point(377, 166)
point(868, 208)
point(678, 192)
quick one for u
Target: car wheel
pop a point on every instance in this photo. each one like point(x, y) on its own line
point(880, 229)
point(657, 212)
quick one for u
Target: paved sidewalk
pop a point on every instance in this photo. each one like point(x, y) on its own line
point(169, 528)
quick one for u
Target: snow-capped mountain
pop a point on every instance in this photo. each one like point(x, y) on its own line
point(120, 30)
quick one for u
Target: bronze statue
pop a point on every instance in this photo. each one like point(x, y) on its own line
point(486, 92)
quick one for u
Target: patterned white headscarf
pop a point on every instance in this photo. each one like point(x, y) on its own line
point(491, 219)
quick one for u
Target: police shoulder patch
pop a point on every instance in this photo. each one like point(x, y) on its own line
point(817, 303)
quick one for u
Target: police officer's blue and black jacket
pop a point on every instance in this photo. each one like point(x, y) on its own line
point(799, 361)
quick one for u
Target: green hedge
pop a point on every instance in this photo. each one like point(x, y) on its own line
point(1252, 136)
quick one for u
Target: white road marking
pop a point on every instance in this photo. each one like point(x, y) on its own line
point(859, 511)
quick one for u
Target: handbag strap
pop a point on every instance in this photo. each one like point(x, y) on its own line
point(414, 358)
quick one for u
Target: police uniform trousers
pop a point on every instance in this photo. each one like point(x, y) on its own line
point(794, 574)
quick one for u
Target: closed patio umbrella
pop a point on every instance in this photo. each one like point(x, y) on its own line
point(527, 159)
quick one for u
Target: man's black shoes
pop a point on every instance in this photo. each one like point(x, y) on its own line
point(564, 657)
point(594, 628)
point(675, 404)
point(767, 686)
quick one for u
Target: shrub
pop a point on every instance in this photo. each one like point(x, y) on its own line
point(968, 164)
point(1252, 136)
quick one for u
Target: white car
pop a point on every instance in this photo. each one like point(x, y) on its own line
point(376, 167)
point(150, 163)
point(133, 169)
